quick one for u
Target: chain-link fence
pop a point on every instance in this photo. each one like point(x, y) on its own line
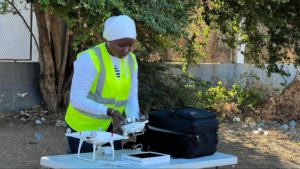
point(16, 42)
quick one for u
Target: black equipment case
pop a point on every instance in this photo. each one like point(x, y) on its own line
point(183, 132)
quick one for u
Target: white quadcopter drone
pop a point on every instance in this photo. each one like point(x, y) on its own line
point(98, 138)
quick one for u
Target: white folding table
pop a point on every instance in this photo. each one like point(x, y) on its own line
point(71, 161)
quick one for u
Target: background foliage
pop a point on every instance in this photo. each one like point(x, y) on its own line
point(159, 23)
point(164, 90)
point(267, 27)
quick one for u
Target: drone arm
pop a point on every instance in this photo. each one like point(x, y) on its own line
point(112, 149)
point(79, 148)
point(94, 150)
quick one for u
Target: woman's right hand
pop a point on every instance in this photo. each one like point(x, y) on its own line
point(117, 118)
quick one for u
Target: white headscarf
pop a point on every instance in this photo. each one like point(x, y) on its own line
point(118, 27)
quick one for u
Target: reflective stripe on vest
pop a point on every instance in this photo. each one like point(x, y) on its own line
point(98, 95)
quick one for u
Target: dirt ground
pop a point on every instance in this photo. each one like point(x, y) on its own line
point(274, 149)
point(258, 144)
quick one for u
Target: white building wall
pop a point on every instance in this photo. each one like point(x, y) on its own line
point(240, 58)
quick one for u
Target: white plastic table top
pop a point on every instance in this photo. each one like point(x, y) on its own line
point(71, 161)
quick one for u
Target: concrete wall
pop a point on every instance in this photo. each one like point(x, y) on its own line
point(19, 86)
point(242, 73)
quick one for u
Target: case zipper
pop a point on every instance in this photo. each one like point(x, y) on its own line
point(173, 132)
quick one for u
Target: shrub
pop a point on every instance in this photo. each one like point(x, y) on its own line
point(160, 89)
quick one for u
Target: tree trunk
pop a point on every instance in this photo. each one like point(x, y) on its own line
point(54, 44)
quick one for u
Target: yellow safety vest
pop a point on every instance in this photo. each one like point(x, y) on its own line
point(107, 89)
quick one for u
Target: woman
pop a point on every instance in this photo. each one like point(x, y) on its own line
point(105, 83)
